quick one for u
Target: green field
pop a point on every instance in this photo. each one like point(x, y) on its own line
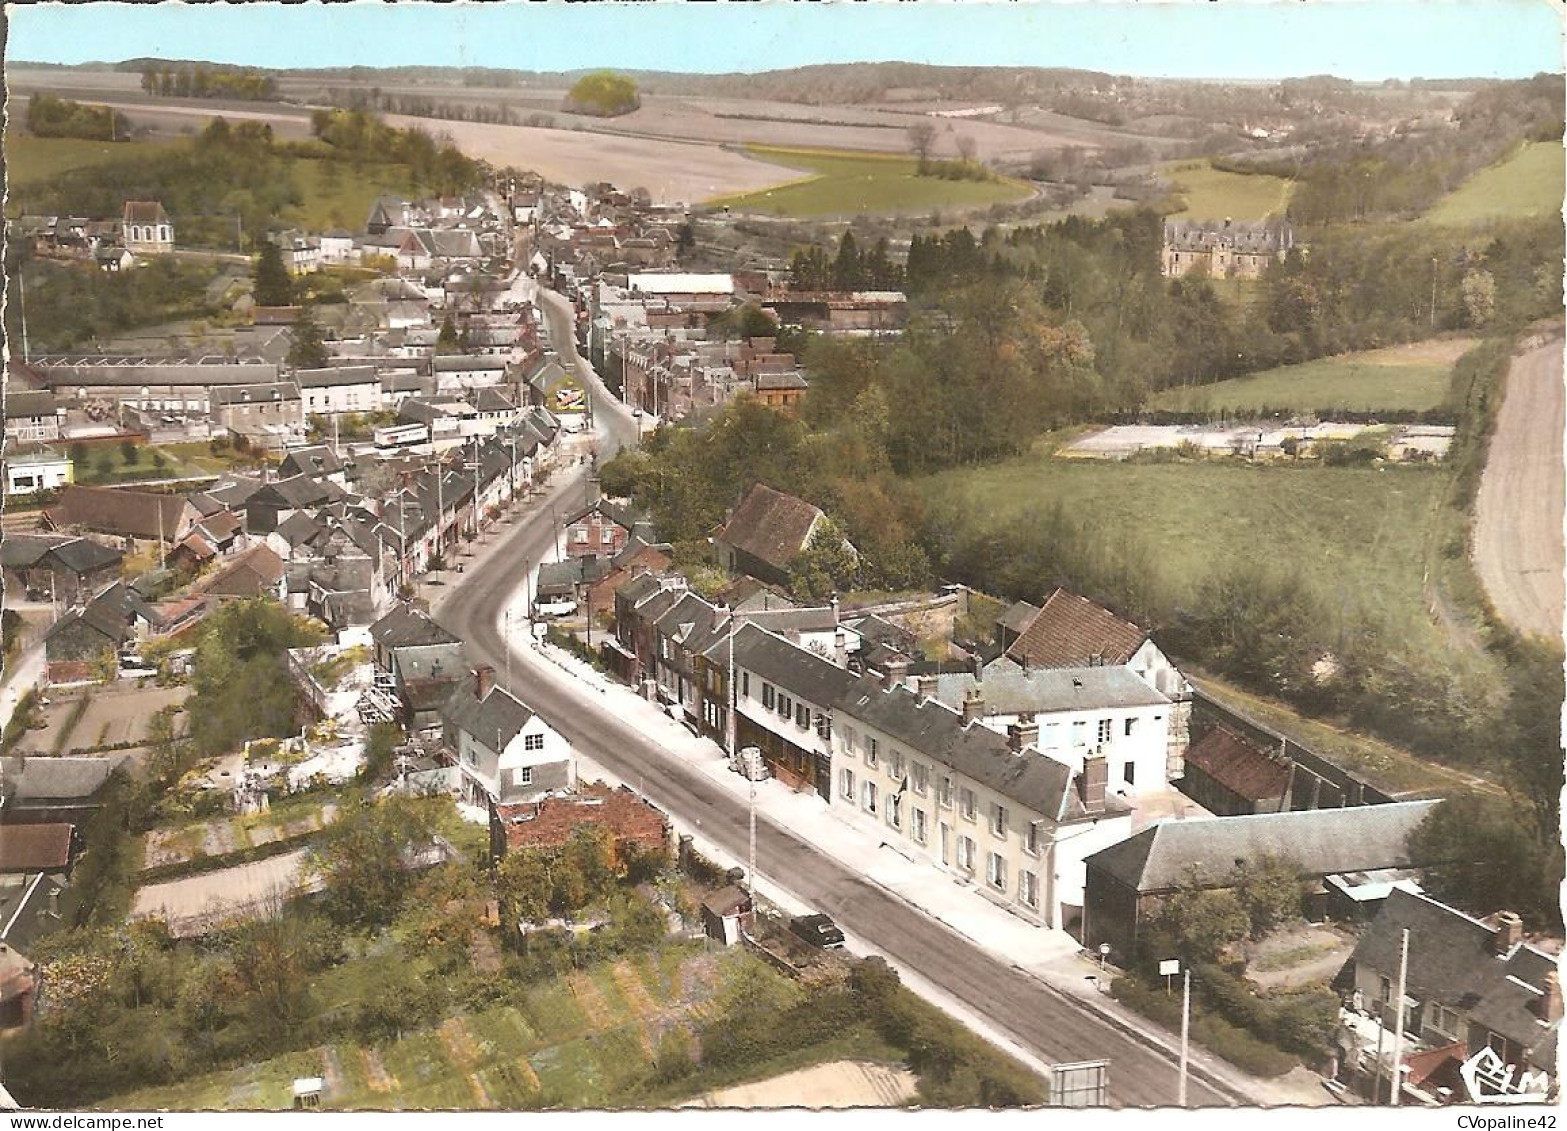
point(1210, 194)
point(30, 159)
point(345, 202)
point(849, 183)
point(1401, 377)
point(1358, 536)
point(1529, 183)
point(582, 1041)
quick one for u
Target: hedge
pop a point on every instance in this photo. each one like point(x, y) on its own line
point(198, 865)
point(1214, 1033)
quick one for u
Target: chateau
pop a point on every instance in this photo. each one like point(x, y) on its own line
point(1228, 249)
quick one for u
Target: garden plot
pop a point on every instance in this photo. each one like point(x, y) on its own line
point(164, 847)
point(1119, 441)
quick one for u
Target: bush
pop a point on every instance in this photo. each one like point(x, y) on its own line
point(1214, 1033)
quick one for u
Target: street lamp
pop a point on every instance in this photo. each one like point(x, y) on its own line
point(1104, 954)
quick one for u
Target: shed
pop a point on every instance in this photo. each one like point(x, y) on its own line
point(725, 913)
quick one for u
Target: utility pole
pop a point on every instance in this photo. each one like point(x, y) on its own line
point(21, 292)
point(1186, 1025)
point(508, 647)
point(750, 875)
point(1398, 1027)
point(1433, 292)
point(476, 461)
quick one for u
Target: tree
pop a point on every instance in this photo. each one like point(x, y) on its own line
point(130, 454)
point(380, 751)
point(826, 566)
point(1269, 889)
point(1490, 860)
point(272, 284)
point(1202, 923)
point(308, 348)
point(685, 241)
point(602, 94)
point(967, 146)
point(922, 138)
point(363, 858)
point(1479, 291)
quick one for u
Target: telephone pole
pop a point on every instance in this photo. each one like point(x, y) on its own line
point(1186, 1025)
point(1398, 1027)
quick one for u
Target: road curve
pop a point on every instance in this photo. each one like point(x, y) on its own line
point(1038, 1017)
point(1518, 545)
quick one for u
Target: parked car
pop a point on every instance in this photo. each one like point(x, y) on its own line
point(818, 930)
point(561, 608)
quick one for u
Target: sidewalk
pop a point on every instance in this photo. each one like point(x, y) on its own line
point(1050, 956)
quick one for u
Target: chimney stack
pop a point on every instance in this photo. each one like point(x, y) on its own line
point(483, 680)
point(1509, 932)
point(840, 645)
point(1551, 1004)
point(897, 670)
point(973, 706)
point(593, 490)
point(1096, 777)
point(1023, 733)
point(925, 687)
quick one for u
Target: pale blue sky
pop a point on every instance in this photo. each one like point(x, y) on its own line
point(1186, 38)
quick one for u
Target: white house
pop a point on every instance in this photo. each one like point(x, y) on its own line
point(41, 470)
point(982, 808)
point(505, 752)
point(1071, 713)
point(467, 371)
point(336, 247)
point(340, 389)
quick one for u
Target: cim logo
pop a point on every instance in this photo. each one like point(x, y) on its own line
point(1490, 1081)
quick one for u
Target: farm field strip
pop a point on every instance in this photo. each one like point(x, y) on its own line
point(1213, 194)
point(1530, 182)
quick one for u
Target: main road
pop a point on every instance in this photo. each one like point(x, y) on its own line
point(1039, 1018)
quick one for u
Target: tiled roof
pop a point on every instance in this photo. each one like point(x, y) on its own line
point(111, 510)
point(145, 212)
point(23, 404)
point(1073, 632)
point(317, 460)
point(770, 525)
point(253, 572)
point(1321, 841)
point(273, 391)
point(550, 822)
point(407, 627)
point(1237, 765)
point(34, 848)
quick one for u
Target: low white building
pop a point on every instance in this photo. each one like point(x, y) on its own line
point(42, 470)
point(505, 752)
point(340, 389)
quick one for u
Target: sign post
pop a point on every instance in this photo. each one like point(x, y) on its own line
point(1169, 968)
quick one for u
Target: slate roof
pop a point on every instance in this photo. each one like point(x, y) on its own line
point(559, 577)
point(255, 571)
point(1073, 632)
point(1452, 960)
point(317, 460)
point(145, 212)
point(35, 848)
point(64, 778)
point(337, 376)
point(496, 717)
point(786, 621)
point(1034, 781)
point(23, 404)
point(797, 670)
point(299, 529)
point(460, 363)
point(1018, 617)
point(233, 492)
point(423, 663)
point(770, 525)
point(1009, 689)
point(79, 555)
point(1238, 765)
point(1248, 237)
point(489, 399)
point(24, 551)
point(1322, 841)
point(269, 393)
point(407, 627)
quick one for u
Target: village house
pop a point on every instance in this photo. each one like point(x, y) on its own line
point(504, 751)
point(56, 567)
point(1128, 882)
point(138, 516)
point(633, 824)
point(419, 664)
point(841, 313)
point(765, 534)
point(1471, 984)
point(1069, 631)
point(1225, 249)
point(146, 228)
point(340, 389)
point(319, 461)
point(31, 468)
point(267, 416)
point(32, 417)
point(983, 807)
point(602, 529)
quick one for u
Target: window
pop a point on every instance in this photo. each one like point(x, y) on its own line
point(870, 751)
point(996, 871)
point(802, 715)
point(1028, 888)
point(944, 792)
point(767, 696)
point(785, 705)
point(745, 684)
point(966, 853)
point(1031, 838)
point(1384, 990)
point(868, 796)
point(967, 803)
point(917, 828)
point(1104, 730)
point(998, 820)
point(846, 784)
point(524, 776)
point(1078, 726)
point(607, 535)
point(533, 742)
point(1129, 772)
point(850, 738)
point(921, 778)
point(895, 768)
point(1445, 1021)
point(1131, 725)
point(895, 810)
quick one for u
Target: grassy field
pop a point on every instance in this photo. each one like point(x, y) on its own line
point(581, 1041)
point(845, 183)
point(106, 465)
point(1413, 376)
point(1355, 534)
point(30, 159)
point(1214, 195)
point(1529, 183)
point(345, 200)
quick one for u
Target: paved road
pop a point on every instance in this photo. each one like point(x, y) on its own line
point(1518, 515)
point(1037, 1017)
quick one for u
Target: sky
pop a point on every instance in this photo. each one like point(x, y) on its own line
point(1356, 39)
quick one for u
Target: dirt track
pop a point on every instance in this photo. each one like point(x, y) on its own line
point(1518, 546)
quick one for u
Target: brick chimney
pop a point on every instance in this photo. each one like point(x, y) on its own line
point(1096, 778)
point(897, 671)
point(1023, 733)
point(1509, 932)
point(483, 680)
point(1551, 1003)
point(973, 706)
point(925, 687)
point(840, 646)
